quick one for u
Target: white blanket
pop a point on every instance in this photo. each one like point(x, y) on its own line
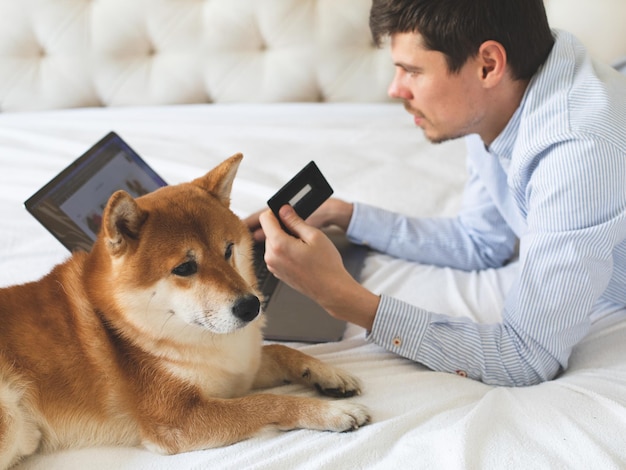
point(372, 153)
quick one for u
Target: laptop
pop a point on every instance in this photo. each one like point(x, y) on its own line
point(70, 207)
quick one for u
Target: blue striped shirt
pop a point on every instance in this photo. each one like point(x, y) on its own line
point(554, 180)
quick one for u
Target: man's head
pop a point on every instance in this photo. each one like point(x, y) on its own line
point(457, 28)
point(462, 65)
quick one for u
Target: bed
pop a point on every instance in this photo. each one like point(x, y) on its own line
point(189, 83)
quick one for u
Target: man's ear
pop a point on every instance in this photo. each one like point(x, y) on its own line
point(492, 60)
point(121, 221)
point(219, 181)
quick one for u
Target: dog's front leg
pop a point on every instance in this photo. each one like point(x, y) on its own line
point(282, 365)
point(202, 424)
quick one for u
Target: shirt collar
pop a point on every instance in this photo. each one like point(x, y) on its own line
point(504, 143)
point(502, 146)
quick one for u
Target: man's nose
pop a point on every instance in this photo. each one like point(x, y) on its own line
point(397, 89)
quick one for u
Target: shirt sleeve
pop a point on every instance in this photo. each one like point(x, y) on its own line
point(478, 238)
point(576, 218)
point(490, 353)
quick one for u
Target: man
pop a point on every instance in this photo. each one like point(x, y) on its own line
point(546, 135)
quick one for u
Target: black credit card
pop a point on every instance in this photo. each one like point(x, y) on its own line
point(305, 192)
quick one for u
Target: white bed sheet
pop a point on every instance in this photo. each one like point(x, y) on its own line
point(372, 153)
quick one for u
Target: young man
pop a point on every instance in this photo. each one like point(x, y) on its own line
point(546, 135)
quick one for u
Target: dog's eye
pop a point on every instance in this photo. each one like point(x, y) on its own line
point(186, 269)
point(229, 251)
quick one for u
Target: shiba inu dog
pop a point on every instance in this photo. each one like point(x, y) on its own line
point(154, 338)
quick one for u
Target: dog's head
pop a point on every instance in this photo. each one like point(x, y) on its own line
point(178, 257)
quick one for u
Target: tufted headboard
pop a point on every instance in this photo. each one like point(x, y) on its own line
point(69, 53)
point(76, 53)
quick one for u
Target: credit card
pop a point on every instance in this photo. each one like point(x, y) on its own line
point(305, 192)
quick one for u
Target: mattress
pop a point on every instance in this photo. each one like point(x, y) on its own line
point(372, 153)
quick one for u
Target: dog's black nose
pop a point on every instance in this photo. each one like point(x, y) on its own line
point(247, 308)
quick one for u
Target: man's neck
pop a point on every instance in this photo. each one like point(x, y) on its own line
point(504, 104)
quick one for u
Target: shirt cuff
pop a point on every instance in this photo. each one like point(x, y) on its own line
point(370, 226)
point(399, 327)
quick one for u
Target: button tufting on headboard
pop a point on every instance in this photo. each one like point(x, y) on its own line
point(70, 53)
point(73, 53)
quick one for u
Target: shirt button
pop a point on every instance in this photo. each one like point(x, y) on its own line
point(461, 373)
point(397, 341)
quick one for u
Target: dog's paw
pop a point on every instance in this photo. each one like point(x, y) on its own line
point(335, 382)
point(346, 416)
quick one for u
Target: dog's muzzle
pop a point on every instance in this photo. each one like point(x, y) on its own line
point(247, 308)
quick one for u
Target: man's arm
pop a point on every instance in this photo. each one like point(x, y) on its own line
point(478, 238)
point(575, 222)
point(546, 314)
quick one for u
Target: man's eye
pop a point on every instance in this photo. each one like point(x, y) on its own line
point(186, 269)
point(229, 251)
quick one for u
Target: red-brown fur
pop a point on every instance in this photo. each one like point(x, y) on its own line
point(117, 346)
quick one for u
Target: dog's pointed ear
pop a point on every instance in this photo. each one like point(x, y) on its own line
point(219, 181)
point(121, 221)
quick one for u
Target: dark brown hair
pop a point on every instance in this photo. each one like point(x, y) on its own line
point(457, 28)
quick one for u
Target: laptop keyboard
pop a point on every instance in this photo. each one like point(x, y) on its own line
point(266, 280)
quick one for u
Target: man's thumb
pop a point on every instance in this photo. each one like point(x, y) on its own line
point(290, 218)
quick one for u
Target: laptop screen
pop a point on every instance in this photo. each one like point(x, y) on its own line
point(70, 206)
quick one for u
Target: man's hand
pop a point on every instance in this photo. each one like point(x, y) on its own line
point(307, 261)
point(310, 263)
point(331, 212)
